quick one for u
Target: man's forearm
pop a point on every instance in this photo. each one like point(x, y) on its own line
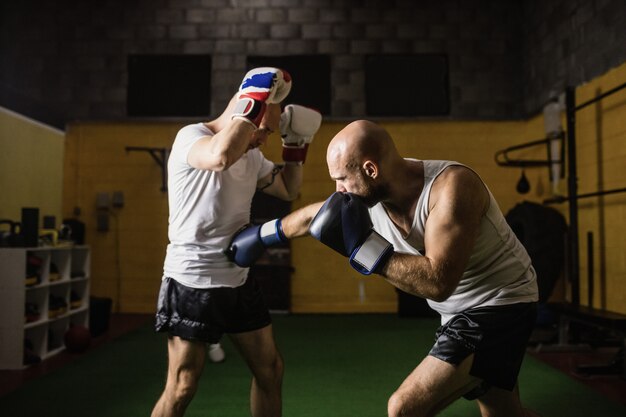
point(292, 178)
point(297, 223)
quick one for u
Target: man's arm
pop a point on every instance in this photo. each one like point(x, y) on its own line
point(298, 126)
point(458, 199)
point(285, 184)
point(219, 152)
point(291, 177)
point(296, 224)
point(260, 91)
point(249, 244)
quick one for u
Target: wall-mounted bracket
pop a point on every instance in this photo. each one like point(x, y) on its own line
point(502, 158)
point(160, 156)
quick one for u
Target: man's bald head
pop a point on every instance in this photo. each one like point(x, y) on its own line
point(361, 159)
point(359, 141)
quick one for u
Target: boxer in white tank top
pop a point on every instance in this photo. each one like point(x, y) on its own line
point(451, 246)
point(499, 270)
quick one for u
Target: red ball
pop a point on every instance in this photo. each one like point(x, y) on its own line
point(77, 339)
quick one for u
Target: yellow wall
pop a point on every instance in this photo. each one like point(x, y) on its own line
point(128, 259)
point(31, 167)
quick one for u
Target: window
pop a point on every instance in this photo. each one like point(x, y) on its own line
point(169, 85)
point(406, 85)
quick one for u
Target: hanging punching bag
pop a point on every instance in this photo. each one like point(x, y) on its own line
point(523, 186)
point(542, 231)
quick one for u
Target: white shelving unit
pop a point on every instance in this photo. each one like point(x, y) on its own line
point(43, 290)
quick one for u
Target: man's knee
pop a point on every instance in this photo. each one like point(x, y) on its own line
point(397, 405)
point(400, 404)
point(183, 386)
point(271, 373)
point(277, 368)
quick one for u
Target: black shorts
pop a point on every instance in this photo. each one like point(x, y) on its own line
point(497, 336)
point(206, 314)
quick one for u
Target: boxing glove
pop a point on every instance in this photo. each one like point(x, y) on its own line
point(250, 242)
point(298, 125)
point(343, 223)
point(260, 86)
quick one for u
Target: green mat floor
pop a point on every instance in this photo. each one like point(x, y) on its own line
point(336, 366)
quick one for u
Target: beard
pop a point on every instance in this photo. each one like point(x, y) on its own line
point(372, 194)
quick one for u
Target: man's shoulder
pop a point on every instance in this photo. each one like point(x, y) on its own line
point(461, 185)
point(189, 134)
point(195, 129)
point(458, 176)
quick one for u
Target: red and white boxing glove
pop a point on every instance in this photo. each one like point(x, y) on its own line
point(298, 125)
point(259, 87)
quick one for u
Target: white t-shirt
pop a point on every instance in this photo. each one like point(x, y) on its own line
point(206, 209)
point(499, 271)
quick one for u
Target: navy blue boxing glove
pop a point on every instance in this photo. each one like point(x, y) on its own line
point(250, 242)
point(344, 224)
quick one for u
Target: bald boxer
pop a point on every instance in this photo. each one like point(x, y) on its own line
point(432, 229)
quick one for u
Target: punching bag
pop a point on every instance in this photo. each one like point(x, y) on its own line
point(542, 231)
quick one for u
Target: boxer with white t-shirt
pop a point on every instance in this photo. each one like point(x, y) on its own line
point(214, 170)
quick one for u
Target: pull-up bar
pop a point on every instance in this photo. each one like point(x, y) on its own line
point(572, 191)
point(572, 184)
point(561, 199)
point(600, 97)
point(502, 158)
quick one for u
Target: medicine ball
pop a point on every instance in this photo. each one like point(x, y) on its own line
point(77, 339)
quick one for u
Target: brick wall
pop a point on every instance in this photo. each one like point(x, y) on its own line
point(569, 42)
point(66, 59)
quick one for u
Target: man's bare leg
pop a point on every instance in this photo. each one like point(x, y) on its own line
point(260, 353)
point(185, 363)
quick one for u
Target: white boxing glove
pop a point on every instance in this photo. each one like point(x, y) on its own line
point(298, 125)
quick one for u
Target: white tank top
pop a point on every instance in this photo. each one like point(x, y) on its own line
point(205, 209)
point(499, 270)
